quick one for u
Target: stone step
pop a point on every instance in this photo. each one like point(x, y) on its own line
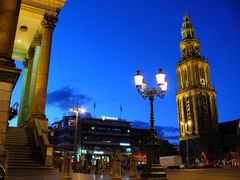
point(26, 160)
point(23, 158)
point(18, 134)
point(24, 164)
point(38, 168)
point(23, 152)
point(19, 138)
point(20, 146)
point(29, 158)
point(12, 136)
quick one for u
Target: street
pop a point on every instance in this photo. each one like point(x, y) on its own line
point(180, 174)
point(204, 174)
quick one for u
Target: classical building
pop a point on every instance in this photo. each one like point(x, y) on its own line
point(196, 99)
point(26, 28)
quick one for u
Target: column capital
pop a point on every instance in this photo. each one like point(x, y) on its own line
point(49, 21)
point(25, 63)
point(31, 51)
point(38, 39)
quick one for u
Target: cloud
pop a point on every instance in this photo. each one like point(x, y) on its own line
point(140, 124)
point(168, 129)
point(169, 133)
point(176, 137)
point(66, 97)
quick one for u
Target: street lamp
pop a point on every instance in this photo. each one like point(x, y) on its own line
point(77, 111)
point(153, 168)
point(187, 132)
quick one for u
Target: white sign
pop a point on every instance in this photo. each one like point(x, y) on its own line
point(109, 118)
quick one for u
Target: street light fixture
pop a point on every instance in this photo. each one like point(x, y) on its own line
point(153, 168)
point(77, 111)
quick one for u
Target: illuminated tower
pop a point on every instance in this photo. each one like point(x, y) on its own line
point(196, 99)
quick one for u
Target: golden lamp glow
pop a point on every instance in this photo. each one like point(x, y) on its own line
point(80, 110)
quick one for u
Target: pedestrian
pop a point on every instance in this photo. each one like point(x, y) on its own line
point(89, 162)
point(122, 171)
point(97, 167)
point(81, 164)
point(89, 158)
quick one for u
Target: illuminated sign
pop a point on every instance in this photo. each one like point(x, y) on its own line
point(98, 152)
point(124, 144)
point(109, 118)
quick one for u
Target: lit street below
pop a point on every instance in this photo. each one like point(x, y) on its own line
point(86, 117)
point(201, 174)
point(186, 174)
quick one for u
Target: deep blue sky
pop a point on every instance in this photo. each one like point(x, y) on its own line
point(98, 46)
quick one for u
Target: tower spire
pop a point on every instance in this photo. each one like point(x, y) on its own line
point(187, 30)
point(196, 98)
point(189, 46)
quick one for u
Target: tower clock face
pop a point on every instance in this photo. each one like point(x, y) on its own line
point(202, 81)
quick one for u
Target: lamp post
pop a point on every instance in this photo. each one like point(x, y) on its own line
point(153, 168)
point(77, 111)
point(187, 132)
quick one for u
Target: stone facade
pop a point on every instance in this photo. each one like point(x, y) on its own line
point(9, 11)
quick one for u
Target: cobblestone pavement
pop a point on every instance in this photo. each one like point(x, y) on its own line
point(187, 174)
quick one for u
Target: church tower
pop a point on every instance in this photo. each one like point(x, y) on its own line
point(196, 100)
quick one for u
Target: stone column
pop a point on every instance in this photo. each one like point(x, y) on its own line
point(48, 24)
point(38, 118)
point(23, 97)
point(9, 11)
point(35, 51)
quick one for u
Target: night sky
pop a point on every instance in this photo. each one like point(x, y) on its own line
point(98, 46)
